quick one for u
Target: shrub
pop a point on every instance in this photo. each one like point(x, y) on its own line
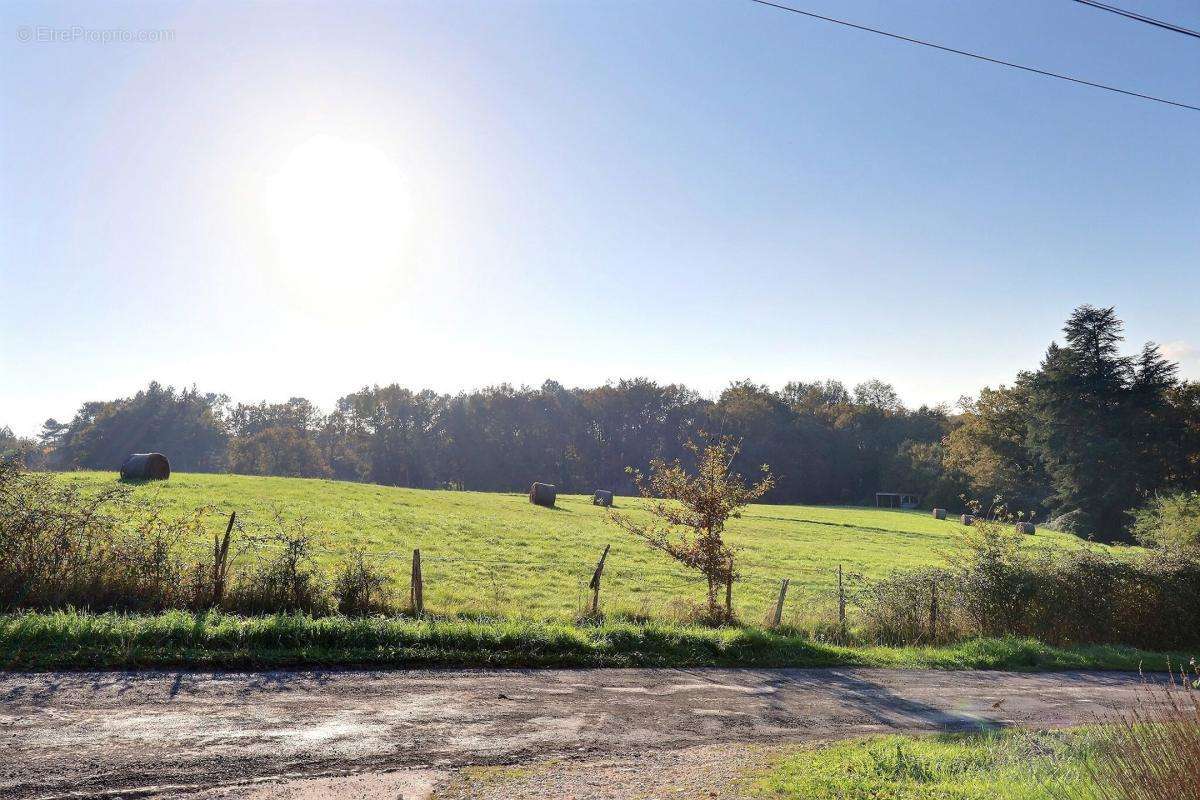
point(902, 610)
point(101, 550)
point(994, 579)
point(987, 591)
point(361, 589)
point(286, 577)
point(995, 588)
point(1170, 522)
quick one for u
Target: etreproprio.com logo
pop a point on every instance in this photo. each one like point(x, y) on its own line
point(45, 34)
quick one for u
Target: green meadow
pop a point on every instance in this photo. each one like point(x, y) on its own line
point(496, 554)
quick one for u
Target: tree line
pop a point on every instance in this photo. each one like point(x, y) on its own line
point(1090, 433)
point(828, 443)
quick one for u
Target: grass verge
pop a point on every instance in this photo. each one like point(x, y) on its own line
point(1015, 765)
point(75, 640)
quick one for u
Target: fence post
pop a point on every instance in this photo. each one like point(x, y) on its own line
point(933, 610)
point(595, 582)
point(778, 618)
point(417, 587)
point(841, 604)
point(221, 561)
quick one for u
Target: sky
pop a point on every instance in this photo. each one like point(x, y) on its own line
point(300, 199)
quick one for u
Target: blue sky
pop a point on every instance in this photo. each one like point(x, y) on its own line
point(695, 192)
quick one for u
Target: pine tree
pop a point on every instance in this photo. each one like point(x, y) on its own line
point(1100, 422)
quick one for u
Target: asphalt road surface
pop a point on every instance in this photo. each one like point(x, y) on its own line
point(401, 733)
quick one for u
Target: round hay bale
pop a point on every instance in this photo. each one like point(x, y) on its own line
point(602, 497)
point(146, 467)
point(1065, 523)
point(1025, 527)
point(543, 494)
point(967, 519)
point(939, 513)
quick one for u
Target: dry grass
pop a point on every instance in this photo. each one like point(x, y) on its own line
point(1154, 750)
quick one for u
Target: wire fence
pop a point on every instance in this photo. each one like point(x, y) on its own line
point(629, 583)
point(625, 581)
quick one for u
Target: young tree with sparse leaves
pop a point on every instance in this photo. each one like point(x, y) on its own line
point(690, 512)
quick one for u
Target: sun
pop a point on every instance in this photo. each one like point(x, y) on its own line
point(338, 213)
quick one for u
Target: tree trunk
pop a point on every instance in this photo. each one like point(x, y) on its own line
point(714, 608)
point(729, 591)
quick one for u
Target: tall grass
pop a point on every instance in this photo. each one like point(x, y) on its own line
point(72, 639)
point(1152, 752)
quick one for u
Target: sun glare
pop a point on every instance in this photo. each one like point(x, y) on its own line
point(338, 212)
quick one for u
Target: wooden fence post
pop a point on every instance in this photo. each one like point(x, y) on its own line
point(594, 585)
point(417, 588)
point(221, 561)
point(841, 604)
point(933, 610)
point(778, 618)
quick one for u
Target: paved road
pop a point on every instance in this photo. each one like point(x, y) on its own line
point(165, 733)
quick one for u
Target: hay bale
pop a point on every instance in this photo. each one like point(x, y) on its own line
point(543, 494)
point(1065, 523)
point(1025, 527)
point(146, 467)
point(967, 519)
point(939, 513)
point(602, 497)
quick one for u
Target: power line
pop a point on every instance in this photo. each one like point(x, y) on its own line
point(977, 56)
point(1141, 18)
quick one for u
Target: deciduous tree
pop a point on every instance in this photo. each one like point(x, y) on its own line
point(690, 511)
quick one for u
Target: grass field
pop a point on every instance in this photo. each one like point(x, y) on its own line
point(1015, 765)
point(497, 554)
